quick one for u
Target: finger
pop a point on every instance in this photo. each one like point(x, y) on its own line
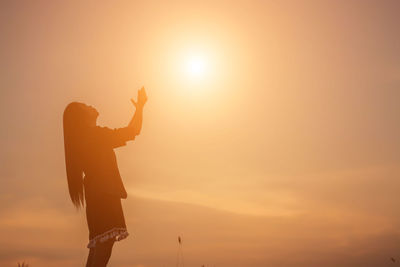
point(133, 102)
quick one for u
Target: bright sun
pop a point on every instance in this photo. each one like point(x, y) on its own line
point(196, 66)
point(193, 68)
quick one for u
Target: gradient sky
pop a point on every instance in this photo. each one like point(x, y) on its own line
point(285, 153)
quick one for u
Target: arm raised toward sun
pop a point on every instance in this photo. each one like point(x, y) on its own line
point(135, 124)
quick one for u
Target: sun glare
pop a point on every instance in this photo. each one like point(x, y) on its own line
point(196, 66)
point(194, 69)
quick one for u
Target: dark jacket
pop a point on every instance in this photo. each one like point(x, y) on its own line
point(100, 164)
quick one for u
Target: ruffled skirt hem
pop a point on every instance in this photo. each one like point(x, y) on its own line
point(116, 234)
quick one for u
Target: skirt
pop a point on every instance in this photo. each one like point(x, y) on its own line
point(105, 218)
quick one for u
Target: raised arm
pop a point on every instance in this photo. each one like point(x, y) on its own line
point(135, 124)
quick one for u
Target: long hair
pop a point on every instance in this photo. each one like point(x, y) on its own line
point(75, 121)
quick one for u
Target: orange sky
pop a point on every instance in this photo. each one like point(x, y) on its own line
point(286, 152)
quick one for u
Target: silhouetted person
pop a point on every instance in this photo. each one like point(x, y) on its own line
point(93, 176)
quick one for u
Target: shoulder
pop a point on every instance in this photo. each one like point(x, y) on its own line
point(111, 136)
point(99, 133)
point(100, 130)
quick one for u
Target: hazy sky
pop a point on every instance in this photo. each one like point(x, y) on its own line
point(283, 151)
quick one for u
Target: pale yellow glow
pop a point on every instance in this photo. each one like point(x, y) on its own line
point(193, 67)
point(196, 66)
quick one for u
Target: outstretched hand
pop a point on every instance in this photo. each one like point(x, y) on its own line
point(141, 98)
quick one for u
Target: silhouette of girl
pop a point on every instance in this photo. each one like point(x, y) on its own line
point(93, 176)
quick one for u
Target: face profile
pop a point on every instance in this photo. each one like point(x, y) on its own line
point(80, 115)
point(92, 114)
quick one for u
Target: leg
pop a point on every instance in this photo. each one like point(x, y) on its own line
point(89, 262)
point(102, 253)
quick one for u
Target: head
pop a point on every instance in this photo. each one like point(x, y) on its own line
point(77, 118)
